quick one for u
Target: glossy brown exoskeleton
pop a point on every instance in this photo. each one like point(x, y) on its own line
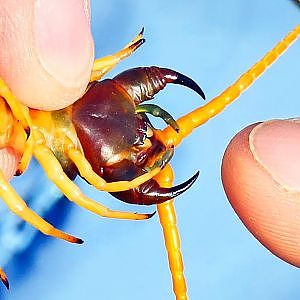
point(117, 137)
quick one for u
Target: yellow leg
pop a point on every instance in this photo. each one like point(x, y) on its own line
point(105, 64)
point(167, 217)
point(20, 113)
point(27, 155)
point(19, 207)
point(199, 116)
point(56, 174)
point(99, 183)
point(4, 278)
point(19, 110)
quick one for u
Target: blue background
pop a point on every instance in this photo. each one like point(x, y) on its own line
point(213, 42)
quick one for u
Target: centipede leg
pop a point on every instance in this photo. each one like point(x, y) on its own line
point(200, 115)
point(19, 207)
point(4, 278)
point(19, 110)
point(56, 174)
point(20, 113)
point(105, 64)
point(167, 217)
point(99, 183)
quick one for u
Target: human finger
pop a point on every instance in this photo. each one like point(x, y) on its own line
point(260, 174)
point(46, 50)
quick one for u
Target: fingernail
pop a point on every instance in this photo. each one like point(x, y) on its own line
point(276, 146)
point(64, 43)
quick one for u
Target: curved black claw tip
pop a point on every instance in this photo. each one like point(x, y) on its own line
point(178, 78)
point(158, 194)
point(5, 282)
point(142, 31)
point(151, 215)
point(181, 188)
point(190, 83)
point(19, 172)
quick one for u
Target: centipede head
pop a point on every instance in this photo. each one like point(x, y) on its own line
point(117, 137)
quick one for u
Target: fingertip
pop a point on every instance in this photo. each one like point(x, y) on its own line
point(47, 51)
point(252, 163)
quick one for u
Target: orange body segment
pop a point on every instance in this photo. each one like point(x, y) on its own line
point(167, 218)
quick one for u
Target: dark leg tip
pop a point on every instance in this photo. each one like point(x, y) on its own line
point(151, 215)
point(142, 31)
point(79, 241)
point(5, 282)
point(137, 44)
point(27, 131)
point(148, 216)
point(140, 42)
point(19, 172)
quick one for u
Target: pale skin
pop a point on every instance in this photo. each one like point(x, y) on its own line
point(62, 81)
point(260, 174)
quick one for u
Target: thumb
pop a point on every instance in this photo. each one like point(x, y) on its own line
point(46, 50)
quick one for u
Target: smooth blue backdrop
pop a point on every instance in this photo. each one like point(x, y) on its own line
point(213, 42)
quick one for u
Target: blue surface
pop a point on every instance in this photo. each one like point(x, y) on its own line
point(213, 42)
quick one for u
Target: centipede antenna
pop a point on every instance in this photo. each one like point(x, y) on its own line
point(202, 114)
